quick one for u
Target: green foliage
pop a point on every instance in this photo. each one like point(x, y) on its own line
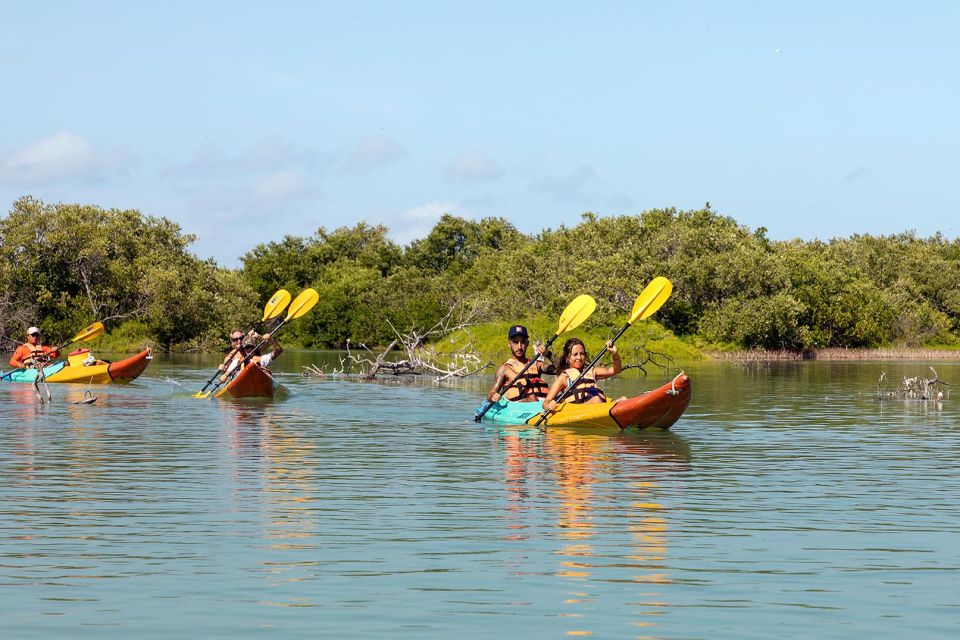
point(489, 339)
point(132, 335)
point(296, 263)
point(68, 265)
point(454, 243)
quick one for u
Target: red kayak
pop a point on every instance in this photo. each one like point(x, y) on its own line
point(253, 381)
point(657, 408)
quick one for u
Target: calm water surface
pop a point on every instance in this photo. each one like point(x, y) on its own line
point(787, 502)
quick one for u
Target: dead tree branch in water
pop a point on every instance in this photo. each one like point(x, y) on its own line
point(916, 388)
point(416, 356)
point(644, 357)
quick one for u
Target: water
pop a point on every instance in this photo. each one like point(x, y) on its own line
point(787, 502)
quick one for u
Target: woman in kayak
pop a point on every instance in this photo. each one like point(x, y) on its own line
point(572, 362)
point(529, 387)
point(245, 349)
point(32, 351)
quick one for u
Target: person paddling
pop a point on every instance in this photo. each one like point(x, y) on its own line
point(571, 364)
point(244, 346)
point(236, 340)
point(530, 387)
point(33, 351)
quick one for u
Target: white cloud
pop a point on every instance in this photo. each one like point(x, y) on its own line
point(375, 152)
point(620, 202)
point(429, 211)
point(417, 222)
point(472, 166)
point(269, 198)
point(267, 155)
point(570, 188)
point(62, 156)
point(282, 186)
point(262, 188)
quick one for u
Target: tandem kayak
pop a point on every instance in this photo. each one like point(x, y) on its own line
point(80, 366)
point(253, 381)
point(657, 408)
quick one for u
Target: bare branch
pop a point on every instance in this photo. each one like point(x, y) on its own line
point(417, 357)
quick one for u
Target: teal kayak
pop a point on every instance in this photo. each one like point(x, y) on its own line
point(507, 412)
point(30, 374)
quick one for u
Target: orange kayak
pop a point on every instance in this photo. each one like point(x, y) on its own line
point(130, 368)
point(253, 381)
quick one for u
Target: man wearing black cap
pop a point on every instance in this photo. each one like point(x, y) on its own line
point(528, 387)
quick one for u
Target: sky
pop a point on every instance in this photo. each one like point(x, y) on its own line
point(247, 121)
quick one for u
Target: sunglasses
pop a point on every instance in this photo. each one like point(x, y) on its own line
point(35, 335)
point(236, 339)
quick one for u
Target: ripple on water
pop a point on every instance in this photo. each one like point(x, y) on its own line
point(365, 509)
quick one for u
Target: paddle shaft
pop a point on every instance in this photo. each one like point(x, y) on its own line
point(546, 347)
point(217, 372)
point(592, 364)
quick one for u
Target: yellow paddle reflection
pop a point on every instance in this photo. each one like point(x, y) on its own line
point(275, 462)
point(581, 464)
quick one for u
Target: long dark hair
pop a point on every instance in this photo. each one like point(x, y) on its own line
point(564, 363)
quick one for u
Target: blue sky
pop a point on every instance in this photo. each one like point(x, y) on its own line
point(247, 121)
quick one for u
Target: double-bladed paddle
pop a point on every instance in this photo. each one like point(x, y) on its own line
point(274, 307)
point(571, 318)
point(647, 303)
point(300, 305)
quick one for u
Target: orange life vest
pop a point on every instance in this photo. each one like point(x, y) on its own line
point(587, 387)
point(25, 353)
point(528, 386)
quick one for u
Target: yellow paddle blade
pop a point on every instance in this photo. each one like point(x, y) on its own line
point(576, 312)
point(302, 303)
point(200, 394)
point(91, 332)
point(276, 305)
point(651, 298)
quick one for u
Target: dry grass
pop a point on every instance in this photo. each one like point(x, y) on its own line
point(887, 353)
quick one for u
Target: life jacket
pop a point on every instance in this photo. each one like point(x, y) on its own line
point(587, 387)
point(529, 385)
point(27, 353)
point(237, 360)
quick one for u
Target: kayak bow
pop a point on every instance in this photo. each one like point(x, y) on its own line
point(253, 381)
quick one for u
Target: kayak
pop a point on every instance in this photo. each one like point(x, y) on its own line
point(253, 381)
point(80, 366)
point(657, 408)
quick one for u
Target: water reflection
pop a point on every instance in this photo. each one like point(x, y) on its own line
point(275, 477)
point(586, 475)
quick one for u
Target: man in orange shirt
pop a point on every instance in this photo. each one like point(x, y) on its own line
point(26, 354)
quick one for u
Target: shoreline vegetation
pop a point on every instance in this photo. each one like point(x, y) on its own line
point(737, 295)
point(877, 354)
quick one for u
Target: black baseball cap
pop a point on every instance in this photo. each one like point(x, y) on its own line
point(517, 331)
